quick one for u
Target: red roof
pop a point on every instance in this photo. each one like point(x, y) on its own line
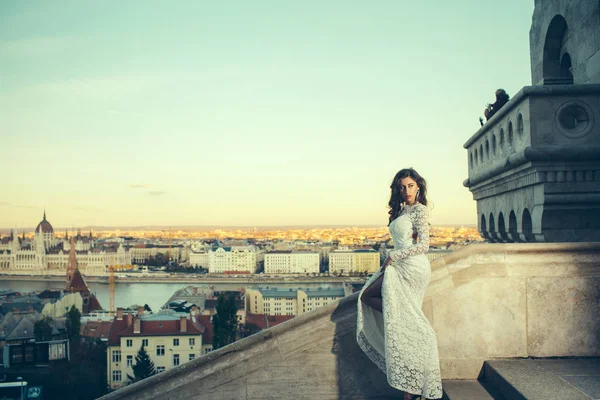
point(115, 331)
point(150, 328)
point(77, 283)
point(44, 226)
point(260, 320)
point(96, 329)
point(207, 334)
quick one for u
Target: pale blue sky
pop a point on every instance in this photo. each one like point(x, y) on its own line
point(245, 113)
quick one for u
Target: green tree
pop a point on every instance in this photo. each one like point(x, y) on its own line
point(43, 330)
point(225, 322)
point(143, 367)
point(81, 378)
point(73, 324)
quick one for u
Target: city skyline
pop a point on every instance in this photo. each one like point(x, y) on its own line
point(254, 115)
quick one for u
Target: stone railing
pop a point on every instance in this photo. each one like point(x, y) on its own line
point(535, 162)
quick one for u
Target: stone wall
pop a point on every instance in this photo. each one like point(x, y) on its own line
point(565, 42)
point(514, 300)
point(534, 167)
point(485, 301)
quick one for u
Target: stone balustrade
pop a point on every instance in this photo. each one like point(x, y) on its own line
point(534, 167)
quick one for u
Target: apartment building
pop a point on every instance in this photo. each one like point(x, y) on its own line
point(282, 301)
point(169, 339)
point(232, 258)
point(292, 262)
point(345, 261)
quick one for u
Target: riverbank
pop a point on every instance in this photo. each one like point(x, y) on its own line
point(195, 279)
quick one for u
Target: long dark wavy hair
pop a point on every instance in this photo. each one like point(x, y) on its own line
point(396, 198)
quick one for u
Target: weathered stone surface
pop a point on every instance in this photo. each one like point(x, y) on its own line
point(461, 368)
point(483, 319)
point(563, 316)
point(465, 390)
point(530, 380)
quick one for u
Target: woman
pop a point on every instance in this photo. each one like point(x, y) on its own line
point(391, 328)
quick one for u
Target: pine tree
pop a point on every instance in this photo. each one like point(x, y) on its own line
point(43, 330)
point(143, 367)
point(225, 322)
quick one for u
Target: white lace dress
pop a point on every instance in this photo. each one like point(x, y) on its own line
point(401, 341)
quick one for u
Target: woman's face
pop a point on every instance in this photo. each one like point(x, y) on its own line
point(408, 190)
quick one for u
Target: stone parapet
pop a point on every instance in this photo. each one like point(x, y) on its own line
point(534, 168)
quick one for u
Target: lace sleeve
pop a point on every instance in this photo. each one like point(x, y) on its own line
point(421, 223)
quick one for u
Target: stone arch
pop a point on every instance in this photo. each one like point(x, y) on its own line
point(502, 228)
point(483, 227)
point(510, 133)
point(487, 149)
point(551, 64)
point(520, 126)
point(527, 227)
point(471, 159)
point(494, 144)
point(566, 67)
point(512, 226)
point(476, 160)
point(481, 153)
point(501, 137)
point(492, 228)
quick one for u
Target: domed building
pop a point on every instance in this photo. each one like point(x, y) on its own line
point(45, 232)
point(47, 254)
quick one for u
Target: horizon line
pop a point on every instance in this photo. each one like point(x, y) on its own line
point(171, 227)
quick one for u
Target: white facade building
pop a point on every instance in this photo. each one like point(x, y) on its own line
point(346, 261)
point(232, 259)
point(278, 301)
point(199, 259)
point(292, 262)
point(48, 255)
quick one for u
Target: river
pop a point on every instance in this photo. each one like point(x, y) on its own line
point(153, 294)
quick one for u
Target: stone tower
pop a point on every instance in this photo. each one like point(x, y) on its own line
point(534, 167)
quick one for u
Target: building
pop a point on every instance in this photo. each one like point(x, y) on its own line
point(169, 339)
point(223, 259)
point(344, 261)
point(47, 254)
point(185, 298)
point(534, 167)
point(199, 259)
point(279, 301)
point(59, 307)
point(292, 262)
point(141, 253)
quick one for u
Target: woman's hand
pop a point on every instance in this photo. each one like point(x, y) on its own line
point(387, 262)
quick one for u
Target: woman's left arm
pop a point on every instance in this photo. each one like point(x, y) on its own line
point(421, 221)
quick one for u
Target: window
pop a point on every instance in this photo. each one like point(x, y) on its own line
point(192, 356)
point(160, 369)
point(208, 350)
point(175, 342)
point(192, 341)
point(175, 360)
point(160, 350)
point(145, 342)
point(116, 356)
point(130, 361)
point(116, 376)
point(129, 342)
